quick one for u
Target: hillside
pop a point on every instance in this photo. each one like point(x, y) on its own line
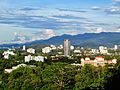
point(85, 40)
point(93, 40)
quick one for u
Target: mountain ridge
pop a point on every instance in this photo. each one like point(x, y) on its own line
point(91, 40)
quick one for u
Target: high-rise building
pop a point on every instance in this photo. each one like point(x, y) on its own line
point(116, 47)
point(66, 48)
point(24, 48)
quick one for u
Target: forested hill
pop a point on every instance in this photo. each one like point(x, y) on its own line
point(91, 40)
point(85, 40)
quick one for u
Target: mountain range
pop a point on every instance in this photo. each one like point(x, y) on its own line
point(92, 40)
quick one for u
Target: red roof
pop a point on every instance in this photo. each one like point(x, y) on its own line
point(110, 61)
point(89, 62)
point(99, 57)
point(100, 61)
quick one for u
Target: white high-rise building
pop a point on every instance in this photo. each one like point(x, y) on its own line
point(66, 48)
point(24, 48)
point(116, 47)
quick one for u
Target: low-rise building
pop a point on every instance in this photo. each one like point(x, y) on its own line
point(98, 61)
point(39, 58)
point(28, 58)
point(95, 51)
point(60, 47)
point(14, 68)
point(53, 47)
point(103, 50)
point(31, 50)
point(7, 53)
point(36, 58)
point(77, 51)
point(46, 50)
point(113, 61)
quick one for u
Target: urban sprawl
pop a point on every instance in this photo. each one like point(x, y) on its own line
point(77, 56)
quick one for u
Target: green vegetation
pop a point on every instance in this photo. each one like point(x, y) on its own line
point(58, 75)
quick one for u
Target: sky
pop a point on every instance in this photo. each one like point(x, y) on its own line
point(29, 20)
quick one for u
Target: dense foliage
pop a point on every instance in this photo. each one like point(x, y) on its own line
point(59, 76)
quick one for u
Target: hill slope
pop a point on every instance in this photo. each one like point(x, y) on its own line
point(85, 40)
point(94, 40)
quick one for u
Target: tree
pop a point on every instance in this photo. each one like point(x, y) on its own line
point(58, 76)
point(90, 77)
point(24, 78)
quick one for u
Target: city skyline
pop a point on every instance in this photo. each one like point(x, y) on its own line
point(34, 20)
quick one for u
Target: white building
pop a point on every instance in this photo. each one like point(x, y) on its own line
point(46, 50)
point(28, 58)
point(103, 50)
point(24, 48)
point(60, 47)
point(7, 53)
point(116, 47)
point(39, 58)
point(72, 47)
point(14, 68)
point(31, 50)
point(36, 58)
point(77, 51)
point(94, 51)
point(53, 47)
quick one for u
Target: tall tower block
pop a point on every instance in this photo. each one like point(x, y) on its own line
point(66, 48)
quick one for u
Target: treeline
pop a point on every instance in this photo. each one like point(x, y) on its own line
point(59, 76)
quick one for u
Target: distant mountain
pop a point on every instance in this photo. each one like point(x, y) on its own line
point(93, 40)
point(85, 40)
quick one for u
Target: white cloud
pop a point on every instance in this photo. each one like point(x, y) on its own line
point(50, 33)
point(115, 8)
point(96, 8)
point(100, 29)
point(116, 0)
point(118, 30)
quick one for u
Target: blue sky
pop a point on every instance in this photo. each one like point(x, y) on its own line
point(27, 20)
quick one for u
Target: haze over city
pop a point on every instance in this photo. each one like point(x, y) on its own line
point(28, 20)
